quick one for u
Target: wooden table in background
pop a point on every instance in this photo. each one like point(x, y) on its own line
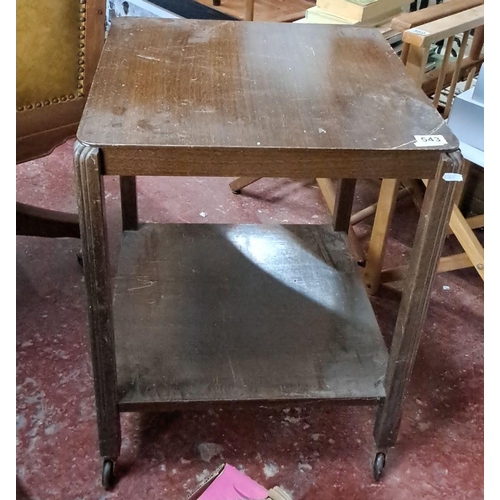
point(220, 314)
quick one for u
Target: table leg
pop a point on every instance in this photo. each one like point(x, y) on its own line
point(238, 184)
point(88, 163)
point(342, 208)
point(425, 254)
point(128, 197)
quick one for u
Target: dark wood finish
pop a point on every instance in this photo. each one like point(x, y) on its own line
point(128, 197)
point(258, 100)
point(241, 182)
point(35, 221)
point(342, 209)
point(429, 239)
point(99, 295)
point(254, 162)
point(242, 312)
point(269, 98)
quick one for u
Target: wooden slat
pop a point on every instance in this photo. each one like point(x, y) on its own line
point(371, 209)
point(249, 10)
point(430, 78)
point(416, 63)
point(442, 71)
point(446, 264)
point(327, 188)
point(468, 240)
point(380, 232)
point(475, 222)
point(411, 19)
point(456, 74)
point(445, 27)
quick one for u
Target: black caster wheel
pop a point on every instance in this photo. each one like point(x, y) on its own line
point(79, 258)
point(378, 465)
point(108, 474)
point(236, 191)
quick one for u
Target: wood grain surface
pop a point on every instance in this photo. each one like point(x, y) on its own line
point(236, 88)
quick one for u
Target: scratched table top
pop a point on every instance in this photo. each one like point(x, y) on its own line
point(276, 86)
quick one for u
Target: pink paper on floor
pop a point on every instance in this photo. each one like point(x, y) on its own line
point(231, 484)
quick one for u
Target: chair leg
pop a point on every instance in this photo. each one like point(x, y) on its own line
point(467, 239)
point(249, 10)
point(238, 184)
point(378, 239)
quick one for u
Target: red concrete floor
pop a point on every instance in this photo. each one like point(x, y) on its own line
point(314, 453)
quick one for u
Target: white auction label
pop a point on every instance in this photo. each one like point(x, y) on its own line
point(452, 177)
point(417, 31)
point(429, 140)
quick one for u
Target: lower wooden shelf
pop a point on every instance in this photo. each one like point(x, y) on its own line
point(226, 313)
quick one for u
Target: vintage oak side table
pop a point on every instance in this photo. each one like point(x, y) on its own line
point(219, 314)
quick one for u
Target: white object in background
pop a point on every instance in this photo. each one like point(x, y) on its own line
point(479, 88)
point(137, 8)
point(466, 121)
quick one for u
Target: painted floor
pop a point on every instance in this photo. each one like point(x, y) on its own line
point(313, 453)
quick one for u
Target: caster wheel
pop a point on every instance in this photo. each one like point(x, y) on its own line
point(108, 474)
point(79, 258)
point(236, 191)
point(378, 465)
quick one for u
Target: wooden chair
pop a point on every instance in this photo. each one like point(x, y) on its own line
point(415, 54)
point(249, 9)
point(58, 46)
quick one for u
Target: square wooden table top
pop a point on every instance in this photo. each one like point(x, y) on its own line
point(271, 88)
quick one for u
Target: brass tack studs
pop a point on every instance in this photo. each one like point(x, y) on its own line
point(80, 94)
point(79, 86)
point(29, 106)
point(55, 100)
point(47, 102)
point(38, 105)
point(71, 96)
point(20, 108)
